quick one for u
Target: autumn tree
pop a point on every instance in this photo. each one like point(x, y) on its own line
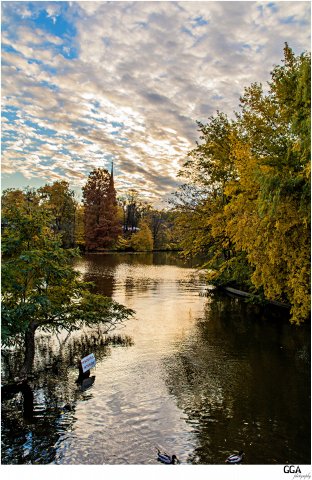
point(247, 207)
point(102, 226)
point(269, 213)
point(142, 240)
point(200, 204)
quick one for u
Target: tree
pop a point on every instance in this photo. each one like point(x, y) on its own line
point(143, 239)
point(134, 209)
point(24, 220)
point(79, 227)
point(59, 199)
point(200, 206)
point(102, 226)
point(247, 209)
point(161, 225)
point(40, 288)
point(269, 213)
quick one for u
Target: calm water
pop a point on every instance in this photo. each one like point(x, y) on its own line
point(203, 376)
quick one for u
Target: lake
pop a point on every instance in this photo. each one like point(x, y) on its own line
point(196, 372)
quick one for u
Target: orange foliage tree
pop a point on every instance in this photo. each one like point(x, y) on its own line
point(102, 226)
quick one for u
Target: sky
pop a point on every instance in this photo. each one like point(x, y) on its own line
point(88, 83)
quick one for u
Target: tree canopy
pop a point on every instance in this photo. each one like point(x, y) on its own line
point(59, 199)
point(40, 287)
point(143, 239)
point(247, 208)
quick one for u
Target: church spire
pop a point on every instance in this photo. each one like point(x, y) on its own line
point(111, 180)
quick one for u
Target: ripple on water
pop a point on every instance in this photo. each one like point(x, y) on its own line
point(203, 377)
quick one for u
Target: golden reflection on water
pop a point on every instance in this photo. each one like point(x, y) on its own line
point(199, 376)
point(204, 376)
point(131, 396)
point(164, 297)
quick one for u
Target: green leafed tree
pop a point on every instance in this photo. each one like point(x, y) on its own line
point(161, 223)
point(40, 287)
point(59, 200)
point(79, 227)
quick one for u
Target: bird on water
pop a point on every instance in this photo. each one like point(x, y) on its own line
point(235, 458)
point(167, 459)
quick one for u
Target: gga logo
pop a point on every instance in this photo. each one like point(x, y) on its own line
point(291, 469)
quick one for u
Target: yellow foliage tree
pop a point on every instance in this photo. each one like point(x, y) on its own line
point(143, 239)
point(268, 216)
point(250, 215)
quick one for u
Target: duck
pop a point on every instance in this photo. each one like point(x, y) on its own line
point(167, 459)
point(235, 458)
point(67, 408)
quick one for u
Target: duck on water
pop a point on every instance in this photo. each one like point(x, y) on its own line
point(235, 458)
point(163, 457)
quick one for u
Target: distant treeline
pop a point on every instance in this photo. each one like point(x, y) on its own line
point(102, 221)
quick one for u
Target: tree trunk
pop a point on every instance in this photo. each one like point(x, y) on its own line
point(29, 350)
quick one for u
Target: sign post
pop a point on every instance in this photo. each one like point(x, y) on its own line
point(88, 362)
point(84, 366)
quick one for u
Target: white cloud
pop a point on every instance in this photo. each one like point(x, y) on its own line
point(145, 72)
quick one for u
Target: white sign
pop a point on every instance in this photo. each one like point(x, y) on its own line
point(88, 362)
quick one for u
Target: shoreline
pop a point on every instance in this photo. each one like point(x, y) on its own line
point(241, 293)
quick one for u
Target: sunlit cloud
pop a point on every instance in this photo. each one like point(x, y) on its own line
point(88, 83)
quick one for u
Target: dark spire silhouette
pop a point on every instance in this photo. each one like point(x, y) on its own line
point(111, 180)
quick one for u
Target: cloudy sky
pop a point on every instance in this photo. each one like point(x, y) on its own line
point(87, 83)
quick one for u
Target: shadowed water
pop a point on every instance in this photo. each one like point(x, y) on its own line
point(202, 376)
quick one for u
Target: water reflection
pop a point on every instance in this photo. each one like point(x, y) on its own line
point(38, 415)
point(106, 271)
point(205, 376)
point(230, 382)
